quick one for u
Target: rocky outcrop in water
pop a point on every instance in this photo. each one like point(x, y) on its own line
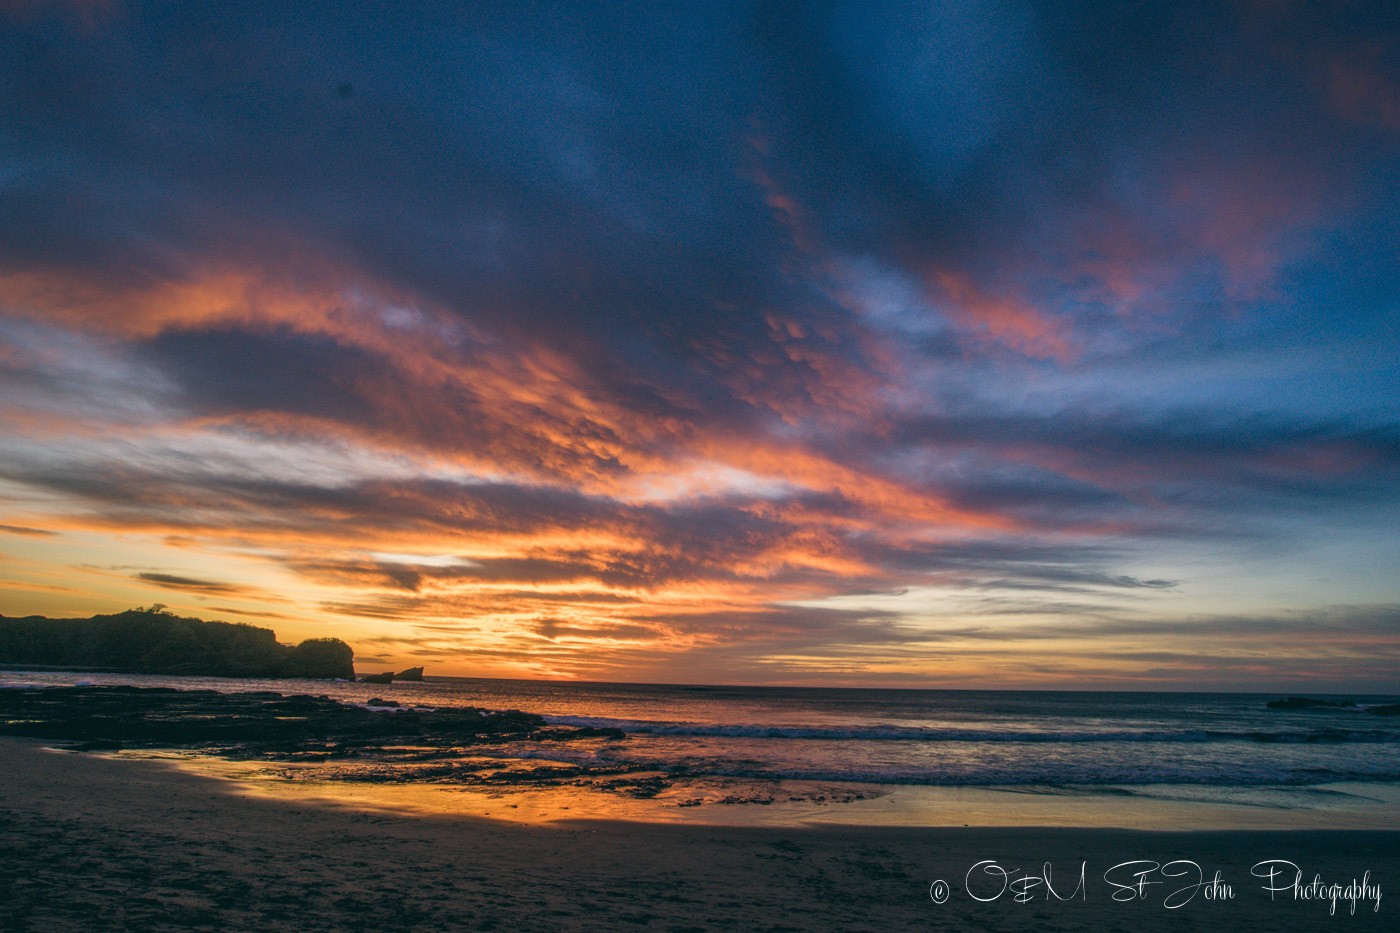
point(412, 675)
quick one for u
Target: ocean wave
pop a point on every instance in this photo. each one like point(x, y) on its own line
point(884, 733)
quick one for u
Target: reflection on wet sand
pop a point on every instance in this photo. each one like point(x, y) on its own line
point(744, 802)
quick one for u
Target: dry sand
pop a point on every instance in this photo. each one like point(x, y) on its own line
point(91, 843)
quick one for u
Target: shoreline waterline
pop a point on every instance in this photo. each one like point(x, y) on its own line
point(795, 804)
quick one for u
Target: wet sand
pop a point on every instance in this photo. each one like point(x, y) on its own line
point(94, 843)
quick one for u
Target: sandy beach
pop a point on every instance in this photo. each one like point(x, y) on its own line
point(97, 843)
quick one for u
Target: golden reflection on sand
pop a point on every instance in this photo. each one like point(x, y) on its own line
point(799, 803)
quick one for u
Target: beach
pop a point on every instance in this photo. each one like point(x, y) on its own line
point(98, 843)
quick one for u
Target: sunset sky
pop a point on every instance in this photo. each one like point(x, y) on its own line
point(941, 344)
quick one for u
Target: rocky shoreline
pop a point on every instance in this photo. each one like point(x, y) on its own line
point(384, 741)
point(378, 742)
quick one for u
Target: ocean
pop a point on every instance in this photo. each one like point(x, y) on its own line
point(907, 737)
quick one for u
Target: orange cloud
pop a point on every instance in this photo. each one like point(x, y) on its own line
point(1010, 321)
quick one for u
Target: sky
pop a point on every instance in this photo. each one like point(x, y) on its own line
point(962, 344)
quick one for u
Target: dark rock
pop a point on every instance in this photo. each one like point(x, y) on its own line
point(1306, 703)
point(412, 674)
point(565, 734)
point(378, 702)
point(243, 725)
point(349, 742)
point(387, 677)
point(640, 787)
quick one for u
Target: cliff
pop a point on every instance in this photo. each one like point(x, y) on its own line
point(153, 641)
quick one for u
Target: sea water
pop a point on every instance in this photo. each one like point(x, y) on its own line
point(909, 737)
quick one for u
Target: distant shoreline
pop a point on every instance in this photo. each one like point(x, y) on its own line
point(154, 640)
